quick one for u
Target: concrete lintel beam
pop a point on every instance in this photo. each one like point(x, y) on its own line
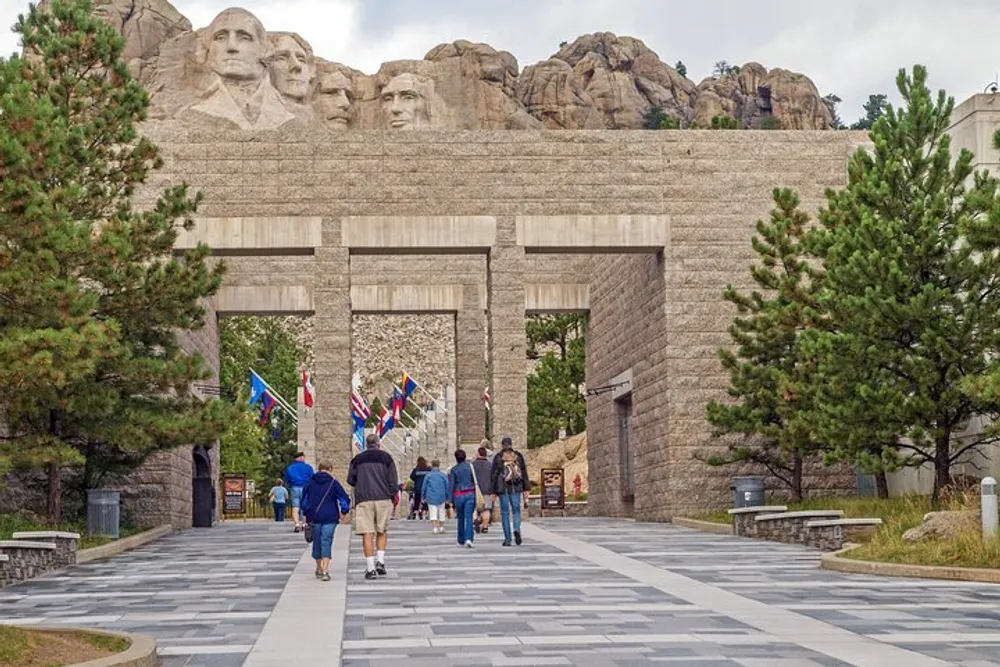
point(592, 233)
point(555, 298)
point(254, 236)
point(418, 234)
point(385, 299)
point(271, 300)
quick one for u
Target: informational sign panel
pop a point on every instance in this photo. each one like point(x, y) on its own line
point(553, 489)
point(234, 493)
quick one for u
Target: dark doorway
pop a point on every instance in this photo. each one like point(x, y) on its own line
point(625, 457)
point(201, 488)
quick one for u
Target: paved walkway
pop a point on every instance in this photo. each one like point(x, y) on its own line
point(588, 592)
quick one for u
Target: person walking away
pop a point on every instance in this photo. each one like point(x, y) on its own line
point(509, 481)
point(417, 477)
point(297, 475)
point(484, 477)
point(372, 473)
point(278, 497)
point(435, 492)
point(324, 503)
point(461, 481)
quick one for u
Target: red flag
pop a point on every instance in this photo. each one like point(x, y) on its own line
point(307, 389)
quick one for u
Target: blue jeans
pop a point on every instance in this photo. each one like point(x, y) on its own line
point(279, 511)
point(464, 505)
point(510, 501)
point(323, 540)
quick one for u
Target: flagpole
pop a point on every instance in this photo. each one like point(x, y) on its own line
point(278, 398)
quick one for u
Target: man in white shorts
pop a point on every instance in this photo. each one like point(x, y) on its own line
point(435, 491)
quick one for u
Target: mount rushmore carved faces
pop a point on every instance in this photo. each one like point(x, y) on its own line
point(334, 99)
point(291, 65)
point(405, 102)
point(237, 49)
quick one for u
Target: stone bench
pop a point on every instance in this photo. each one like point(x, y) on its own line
point(830, 534)
point(790, 527)
point(67, 544)
point(744, 518)
point(25, 560)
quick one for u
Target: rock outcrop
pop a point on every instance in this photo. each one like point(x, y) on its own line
point(944, 525)
point(570, 454)
point(751, 93)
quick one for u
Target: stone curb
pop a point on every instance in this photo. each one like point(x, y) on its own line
point(121, 546)
point(141, 653)
point(834, 561)
point(704, 526)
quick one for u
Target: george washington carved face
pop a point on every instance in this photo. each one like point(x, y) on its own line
point(237, 45)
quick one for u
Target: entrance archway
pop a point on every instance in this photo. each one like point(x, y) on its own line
point(202, 490)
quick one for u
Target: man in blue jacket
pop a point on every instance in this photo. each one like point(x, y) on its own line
point(297, 475)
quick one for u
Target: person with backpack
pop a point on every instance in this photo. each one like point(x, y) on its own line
point(324, 503)
point(417, 477)
point(509, 481)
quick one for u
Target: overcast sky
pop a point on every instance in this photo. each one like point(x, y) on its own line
point(850, 48)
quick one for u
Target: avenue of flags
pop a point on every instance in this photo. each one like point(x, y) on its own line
point(270, 401)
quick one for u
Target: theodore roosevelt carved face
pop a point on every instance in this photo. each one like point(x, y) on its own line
point(334, 99)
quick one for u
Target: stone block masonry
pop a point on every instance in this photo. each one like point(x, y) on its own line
point(658, 314)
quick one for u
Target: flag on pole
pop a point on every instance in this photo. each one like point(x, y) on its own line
point(360, 412)
point(267, 405)
point(486, 397)
point(408, 384)
point(386, 422)
point(307, 389)
point(396, 404)
point(257, 388)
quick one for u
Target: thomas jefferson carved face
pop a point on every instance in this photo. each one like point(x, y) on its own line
point(290, 67)
point(404, 103)
point(335, 94)
point(237, 45)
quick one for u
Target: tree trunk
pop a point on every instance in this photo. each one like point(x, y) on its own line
point(942, 467)
point(797, 477)
point(54, 505)
point(881, 484)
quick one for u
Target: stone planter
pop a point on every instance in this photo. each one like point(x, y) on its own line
point(66, 544)
point(745, 518)
point(790, 527)
point(25, 560)
point(830, 535)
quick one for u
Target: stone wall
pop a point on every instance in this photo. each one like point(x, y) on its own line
point(660, 312)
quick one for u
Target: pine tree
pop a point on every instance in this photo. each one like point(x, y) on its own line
point(91, 371)
point(874, 108)
point(766, 378)
point(912, 287)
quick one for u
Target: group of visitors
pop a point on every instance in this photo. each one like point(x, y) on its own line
point(473, 488)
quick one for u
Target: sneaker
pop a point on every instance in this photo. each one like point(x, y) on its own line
point(318, 574)
point(468, 544)
point(297, 529)
point(517, 537)
point(380, 569)
point(506, 543)
point(486, 529)
point(370, 574)
point(326, 576)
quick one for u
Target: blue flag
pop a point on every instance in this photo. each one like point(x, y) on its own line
point(257, 388)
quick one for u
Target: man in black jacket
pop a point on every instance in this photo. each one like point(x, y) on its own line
point(509, 480)
point(373, 475)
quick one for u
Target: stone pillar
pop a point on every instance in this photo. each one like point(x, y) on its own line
point(307, 428)
point(470, 367)
point(507, 340)
point(332, 353)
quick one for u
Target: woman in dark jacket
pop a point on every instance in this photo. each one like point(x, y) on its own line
point(324, 501)
point(417, 475)
point(463, 497)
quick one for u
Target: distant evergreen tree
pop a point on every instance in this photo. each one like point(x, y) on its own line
point(874, 108)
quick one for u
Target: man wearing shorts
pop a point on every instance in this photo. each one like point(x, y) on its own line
point(373, 475)
point(297, 475)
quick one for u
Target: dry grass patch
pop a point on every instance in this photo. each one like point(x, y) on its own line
point(21, 647)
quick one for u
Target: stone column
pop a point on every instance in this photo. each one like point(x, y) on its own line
point(507, 340)
point(470, 366)
point(332, 352)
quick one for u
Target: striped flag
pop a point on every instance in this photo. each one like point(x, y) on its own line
point(360, 412)
point(486, 397)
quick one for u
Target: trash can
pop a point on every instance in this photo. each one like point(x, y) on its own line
point(103, 513)
point(748, 491)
